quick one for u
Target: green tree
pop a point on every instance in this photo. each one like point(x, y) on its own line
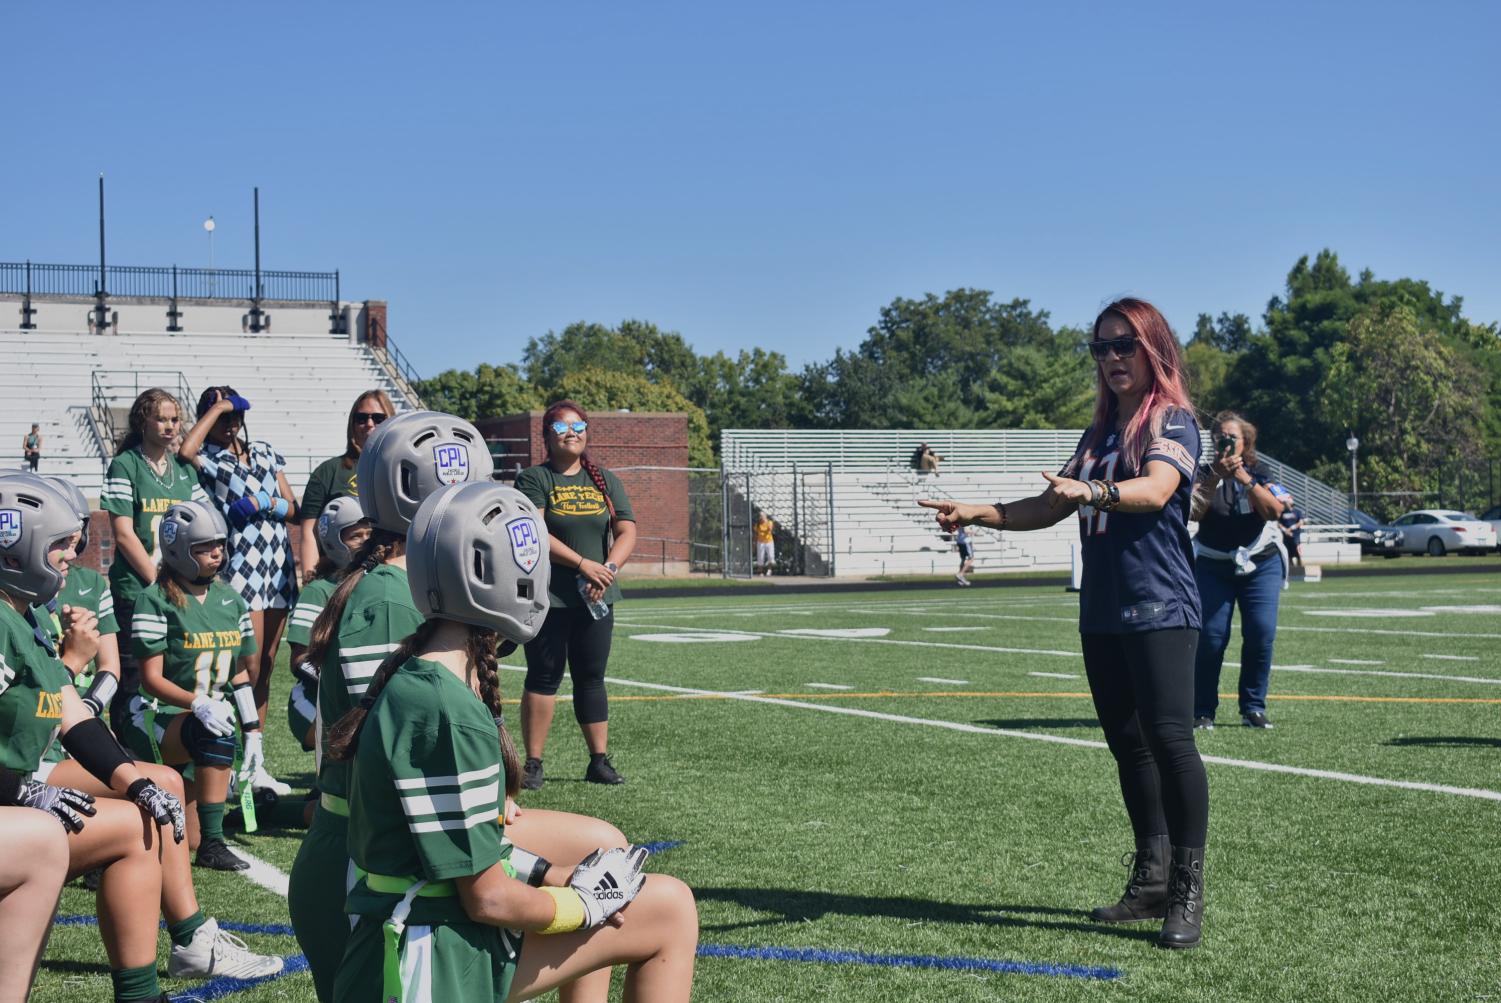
point(1207, 367)
point(633, 347)
point(1230, 333)
point(614, 390)
point(487, 392)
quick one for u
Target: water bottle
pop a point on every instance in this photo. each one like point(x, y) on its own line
point(597, 607)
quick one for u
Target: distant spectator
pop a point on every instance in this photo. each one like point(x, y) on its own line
point(1291, 521)
point(966, 555)
point(924, 460)
point(1239, 562)
point(766, 550)
point(334, 477)
point(245, 480)
point(31, 446)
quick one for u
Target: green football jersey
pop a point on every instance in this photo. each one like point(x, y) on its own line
point(87, 589)
point(576, 514)
point(310, 602)
point(427, 790)
point(132, 489)
point(378, 617)
point(201, 640)
point(31, 682)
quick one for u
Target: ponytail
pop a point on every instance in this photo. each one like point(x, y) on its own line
point(380, 547)
point(483, 656)
point(171, 583)
point(344, 736)
point(597, 476)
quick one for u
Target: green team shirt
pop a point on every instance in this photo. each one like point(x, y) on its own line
point(201, 640)
point(310, 602)
point(87, 589)
point(378, 617)
point(427, 788)
point(132, 489)
point(31, 703)
point(329, 480)
point(577, 515)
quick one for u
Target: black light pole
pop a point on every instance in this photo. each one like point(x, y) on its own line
point(101, 315)
point(256, 314)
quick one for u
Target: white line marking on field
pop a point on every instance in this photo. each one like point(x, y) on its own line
point(838, 632)
point(1388, 675)
point(1053, 675)
point(268, 876)
point(1353, 661)
point(799, 636)
point(1454, 658)
point(829, 686)
point(1372, 614)
point(946, 682)
point(1083, 743)
point(952, 630)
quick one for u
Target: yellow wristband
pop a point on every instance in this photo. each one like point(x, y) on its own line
point(568, 912)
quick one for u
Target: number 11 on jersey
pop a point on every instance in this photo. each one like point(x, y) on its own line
point(1102, 469)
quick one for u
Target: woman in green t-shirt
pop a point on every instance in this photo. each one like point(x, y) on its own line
point(585, 506)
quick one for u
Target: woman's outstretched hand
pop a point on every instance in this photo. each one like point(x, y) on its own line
point(951, 514)
point(1065, 490)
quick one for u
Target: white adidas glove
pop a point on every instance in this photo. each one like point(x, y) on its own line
point(215, 715)
point(607, 881)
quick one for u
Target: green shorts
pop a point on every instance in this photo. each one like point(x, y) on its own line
point(452, 961)
point(321, 878)
point(301, 713)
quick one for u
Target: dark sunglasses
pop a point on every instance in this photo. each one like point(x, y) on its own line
point(1124, 348)
point(560, 427)
point(369, 417)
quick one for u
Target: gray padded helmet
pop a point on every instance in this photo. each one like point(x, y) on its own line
point(410, 456)
point(80, 505)
point(34, 515)
point(477, 553)
point(184, 526)
point(337, 516)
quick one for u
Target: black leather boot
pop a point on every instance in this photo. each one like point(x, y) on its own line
point(1146, 890)
point(1185, 908)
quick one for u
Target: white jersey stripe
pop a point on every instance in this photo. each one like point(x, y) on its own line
point(461, 802)
point(424, 783)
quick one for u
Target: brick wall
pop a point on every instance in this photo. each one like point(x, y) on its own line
point(617, 440)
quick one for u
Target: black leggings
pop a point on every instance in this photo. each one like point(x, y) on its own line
point(1143, 688)
point(130, 669)
point(570, 635)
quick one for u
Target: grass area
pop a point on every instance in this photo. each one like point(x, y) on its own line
point(922, 810)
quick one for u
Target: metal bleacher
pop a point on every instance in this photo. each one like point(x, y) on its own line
point(878, 527)
point(76, 383)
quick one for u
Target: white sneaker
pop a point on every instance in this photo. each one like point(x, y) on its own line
point(263, 781)
point(214, 952)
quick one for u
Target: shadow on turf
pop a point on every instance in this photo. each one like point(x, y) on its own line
point(1019, 723)
point(1448, 741)
point(797, 906)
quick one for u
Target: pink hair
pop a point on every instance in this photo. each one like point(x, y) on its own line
point(1156, 340)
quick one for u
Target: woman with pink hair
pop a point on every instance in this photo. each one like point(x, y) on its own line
point(1131, 482)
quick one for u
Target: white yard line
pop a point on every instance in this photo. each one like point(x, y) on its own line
point(268, 876)
point(945, 682)
point(1248, 764)
point(1454, 658)
point(865, 640)
point(1053, 675)
point(830, 686)
point(953, 630)
point(1353, 661)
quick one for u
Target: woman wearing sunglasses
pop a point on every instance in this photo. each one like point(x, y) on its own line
point(1131, 482)
point(334, 477)
point(593, 532)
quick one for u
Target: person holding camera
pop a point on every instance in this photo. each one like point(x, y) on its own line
point(1240, 561)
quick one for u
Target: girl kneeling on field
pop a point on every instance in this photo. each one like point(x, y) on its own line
point(193, 639)
point(441, 912)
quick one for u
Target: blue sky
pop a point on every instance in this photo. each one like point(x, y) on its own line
point(763, 174)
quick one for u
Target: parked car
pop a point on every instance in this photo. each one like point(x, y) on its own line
point(1438, 531)
point(1374, 537)
point(1492, 515)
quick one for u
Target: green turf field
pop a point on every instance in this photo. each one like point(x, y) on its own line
point(951, 800)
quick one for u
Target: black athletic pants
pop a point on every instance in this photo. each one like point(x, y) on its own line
point(571, 636)
point(1143, 688)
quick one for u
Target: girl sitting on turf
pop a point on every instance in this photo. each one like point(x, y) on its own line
point(447, 908)
point(193, 637)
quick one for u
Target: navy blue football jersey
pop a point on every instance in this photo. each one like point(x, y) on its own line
point(1138, 567)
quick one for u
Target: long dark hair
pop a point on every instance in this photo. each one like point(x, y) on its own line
point(595, 473)
point(206, 401)
point(380, 547)
point(482, 658)
point(142, 410)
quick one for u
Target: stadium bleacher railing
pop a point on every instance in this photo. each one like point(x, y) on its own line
point(168, 282)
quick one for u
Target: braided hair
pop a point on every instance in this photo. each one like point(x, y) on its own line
point(596, 474)
point(481, 656)
point(380, 547)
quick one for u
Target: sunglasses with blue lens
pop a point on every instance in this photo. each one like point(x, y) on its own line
point(560, 427)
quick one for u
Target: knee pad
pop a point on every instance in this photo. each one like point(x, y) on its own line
point(204, 747)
